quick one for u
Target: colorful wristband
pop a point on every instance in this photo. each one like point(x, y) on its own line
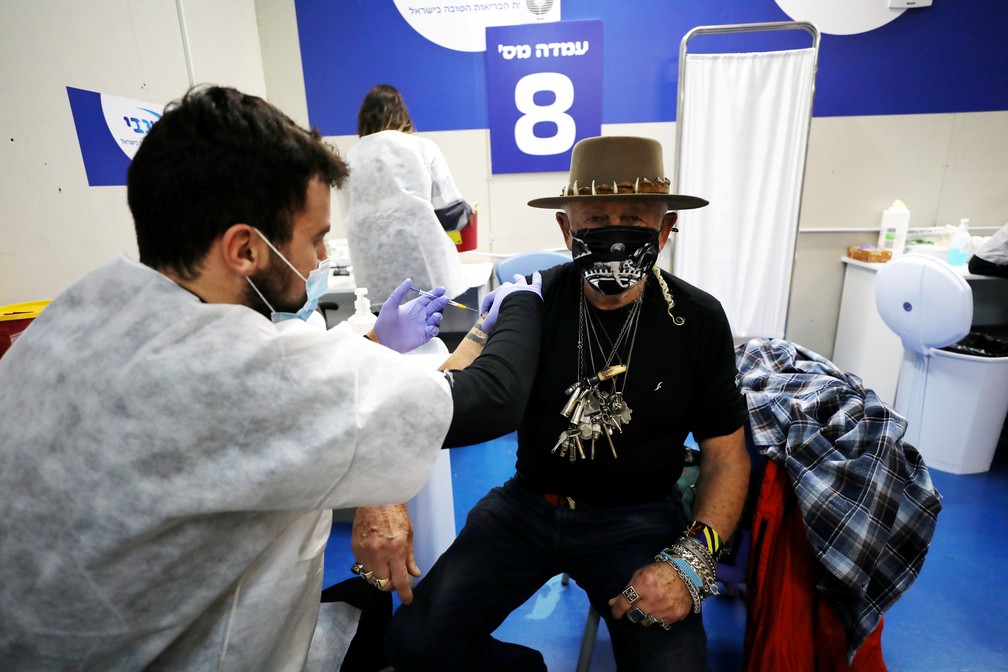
point(707, 536)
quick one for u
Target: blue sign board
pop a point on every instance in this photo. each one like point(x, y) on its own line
point(544, 93)
point(109, 131)
point(949, 57)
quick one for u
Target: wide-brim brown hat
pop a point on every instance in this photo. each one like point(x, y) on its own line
point(615, 168)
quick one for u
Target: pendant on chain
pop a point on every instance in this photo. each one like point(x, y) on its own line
point(593, 413)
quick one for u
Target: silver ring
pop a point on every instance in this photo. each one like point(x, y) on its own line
point(635, 615)
point(630, 594)
point(380, 583)
point(357, 568)
point(649, 620)
point(664, 625)
point(367, 576)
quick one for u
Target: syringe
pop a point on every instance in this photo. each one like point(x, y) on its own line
point(450, 302)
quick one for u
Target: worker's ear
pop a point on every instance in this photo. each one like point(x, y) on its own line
point(668, 221)
point(244, 251)
point(564, 222)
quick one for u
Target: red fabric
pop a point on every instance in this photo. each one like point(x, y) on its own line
point(789, 627)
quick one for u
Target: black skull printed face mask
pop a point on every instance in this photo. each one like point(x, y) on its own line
point(615, 258)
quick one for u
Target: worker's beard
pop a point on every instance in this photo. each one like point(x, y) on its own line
point(276, 285)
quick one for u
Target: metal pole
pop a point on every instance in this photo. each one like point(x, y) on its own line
point(185, 42)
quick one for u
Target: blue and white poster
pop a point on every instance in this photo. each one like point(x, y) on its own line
point(544, 93)
point(109, 131)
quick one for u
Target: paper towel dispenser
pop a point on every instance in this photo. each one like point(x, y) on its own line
point(924, 301)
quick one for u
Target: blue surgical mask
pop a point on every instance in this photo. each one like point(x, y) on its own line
point(316, 285)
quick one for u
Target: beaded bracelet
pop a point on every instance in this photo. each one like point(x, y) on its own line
point(689, 571)
point(688, 576)
point(697, 556)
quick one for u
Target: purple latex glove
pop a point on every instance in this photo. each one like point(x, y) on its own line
point(412, 324)
point(490, 306)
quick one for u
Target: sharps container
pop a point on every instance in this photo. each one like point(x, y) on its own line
point(954, 403)
point(14, 319)
point(465, 238)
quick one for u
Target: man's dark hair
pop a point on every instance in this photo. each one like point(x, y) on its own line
point(383, 109)
point(219, 157)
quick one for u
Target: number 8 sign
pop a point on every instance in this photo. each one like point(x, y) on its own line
point(544, 91)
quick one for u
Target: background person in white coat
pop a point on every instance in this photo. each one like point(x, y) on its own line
point(992, 257)
point(170, 456)
point(398, 203)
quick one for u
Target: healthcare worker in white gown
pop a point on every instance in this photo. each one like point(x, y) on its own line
point(171, 454)
point(398, 203)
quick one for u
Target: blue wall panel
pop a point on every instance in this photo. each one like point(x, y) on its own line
point(951, 57)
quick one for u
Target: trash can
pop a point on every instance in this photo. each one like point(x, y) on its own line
point(953, 383)
point(965, 404)
point(14, 319)
point(465, 238)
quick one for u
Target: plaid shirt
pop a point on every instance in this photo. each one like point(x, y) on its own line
point(866, 497)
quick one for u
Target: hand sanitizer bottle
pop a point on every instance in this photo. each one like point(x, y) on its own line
point(363, 320)
point(958, 253)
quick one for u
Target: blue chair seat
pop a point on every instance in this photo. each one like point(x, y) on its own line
point(527, 263)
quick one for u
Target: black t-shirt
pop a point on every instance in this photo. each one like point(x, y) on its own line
point(680, 379)
point(489, 395)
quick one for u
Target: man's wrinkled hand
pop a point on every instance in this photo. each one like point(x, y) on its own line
point(382, 543)
point(660, 592)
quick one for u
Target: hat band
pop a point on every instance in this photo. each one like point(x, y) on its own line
point(658, 185)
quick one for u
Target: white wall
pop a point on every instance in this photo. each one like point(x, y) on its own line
point(943, 166)
point(55, 228)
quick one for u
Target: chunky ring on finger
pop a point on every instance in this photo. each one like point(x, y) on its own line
point(635, 615)
point(664, 625)
point(649, 620)
point(357, 568)
point(367, 576)
point(380, 583)
point(630, 594)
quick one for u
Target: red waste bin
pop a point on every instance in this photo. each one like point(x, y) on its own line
point(14, 319)
point(465, 238)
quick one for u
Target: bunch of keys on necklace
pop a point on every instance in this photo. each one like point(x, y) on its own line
point(592, 413)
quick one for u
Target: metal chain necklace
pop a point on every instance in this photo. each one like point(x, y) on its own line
point(594, 412)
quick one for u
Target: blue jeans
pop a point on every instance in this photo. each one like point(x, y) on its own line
point(512, 543)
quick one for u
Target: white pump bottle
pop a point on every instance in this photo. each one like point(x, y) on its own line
point(363, 320)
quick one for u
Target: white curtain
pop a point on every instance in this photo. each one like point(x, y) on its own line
point(744, 130)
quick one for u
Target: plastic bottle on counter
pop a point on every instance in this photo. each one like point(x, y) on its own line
point(958, 253)
point(363, 320)
point(893, 229)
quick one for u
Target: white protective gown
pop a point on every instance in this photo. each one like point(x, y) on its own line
point(995, 250)
point(396, 182)
point(167, 470)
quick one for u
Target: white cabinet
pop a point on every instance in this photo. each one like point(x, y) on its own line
point(864, 345)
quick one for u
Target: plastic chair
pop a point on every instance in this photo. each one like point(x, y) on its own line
point(588, 640)
point(527, 263)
